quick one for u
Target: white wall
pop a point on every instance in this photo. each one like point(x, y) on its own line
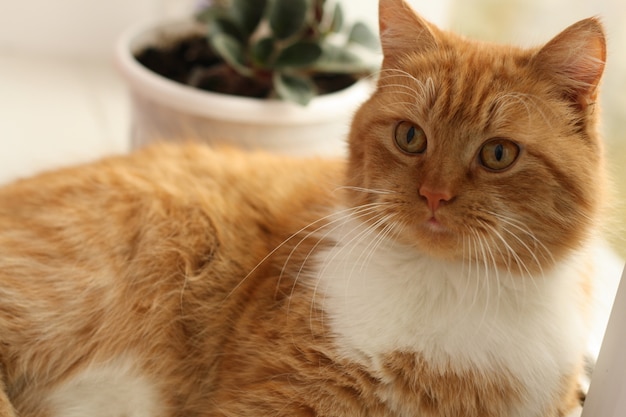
point(83, 28)
point(88, 28)
point(367, 10)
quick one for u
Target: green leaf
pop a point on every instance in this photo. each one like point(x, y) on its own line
point(341, 60)
point(248, 13)
point(224, 24)
point(293, 88)
point(262, 51)
point(209, 14)
point(337, 22)
point(363, 35)
point(231, 50)
point(287, 17)
point(300, 54)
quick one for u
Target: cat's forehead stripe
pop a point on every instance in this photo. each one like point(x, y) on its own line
point(477, 91)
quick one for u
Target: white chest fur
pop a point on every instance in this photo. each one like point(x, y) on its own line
point(383, 297)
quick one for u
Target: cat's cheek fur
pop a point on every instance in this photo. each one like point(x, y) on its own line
point(520, 333)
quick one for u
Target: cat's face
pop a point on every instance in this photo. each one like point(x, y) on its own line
point(480, 152)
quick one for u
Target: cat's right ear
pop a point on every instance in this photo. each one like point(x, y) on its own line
point(402, 30)
point(575, 60)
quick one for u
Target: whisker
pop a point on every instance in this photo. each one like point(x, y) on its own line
point(365, 190)
point(505, 100)
point(524, 270)
point(524, 229)
point(353, 213)
point(347, 244)
point(364, 211)
point(424, 92)
point(374, 243)
point(363, 236)
point(486, 278)
point(474, 240)
point(278, 247)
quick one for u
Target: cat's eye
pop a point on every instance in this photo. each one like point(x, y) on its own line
point(499, 154)
point(410, 137)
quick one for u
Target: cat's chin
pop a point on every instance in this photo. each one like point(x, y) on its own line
point(436, 239)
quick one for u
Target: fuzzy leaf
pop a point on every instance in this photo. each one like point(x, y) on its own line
point(294, 88)
point(262, 51)
point(341, 60)
point(209, 14)
point(299, 54)
point(225, 24)
point(337, 22)
point(219, 19)
point(287, 17)
point(229, 48)
point(248, 13)
point(363, 35)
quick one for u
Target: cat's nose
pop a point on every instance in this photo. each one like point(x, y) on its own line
point(435, 197)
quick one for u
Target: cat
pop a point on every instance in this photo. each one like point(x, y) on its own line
point(442, 270)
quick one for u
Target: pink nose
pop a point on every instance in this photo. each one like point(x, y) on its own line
point(434, 197)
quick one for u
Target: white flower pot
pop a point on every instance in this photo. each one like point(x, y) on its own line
point(167, 110)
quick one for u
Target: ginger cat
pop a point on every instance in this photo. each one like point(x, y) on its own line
point(442, 272)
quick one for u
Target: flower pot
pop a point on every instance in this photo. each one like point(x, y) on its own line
point(167, 110)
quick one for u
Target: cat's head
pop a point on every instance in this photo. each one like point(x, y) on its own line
point(476, 151)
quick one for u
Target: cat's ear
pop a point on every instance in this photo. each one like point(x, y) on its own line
point(575, 60)
point(402, 30)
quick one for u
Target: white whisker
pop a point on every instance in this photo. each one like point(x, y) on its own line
point(273, 251)
point(364, 211)
point(423, 92)
point(524, 229)
point(504, 101)
point(365, 190)
point(338, 222)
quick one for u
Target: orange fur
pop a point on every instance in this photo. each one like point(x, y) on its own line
point(195, 275)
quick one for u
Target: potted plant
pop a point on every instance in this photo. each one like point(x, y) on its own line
point(281, 75)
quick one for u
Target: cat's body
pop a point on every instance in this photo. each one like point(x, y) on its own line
point(444, 271)
point(136, 277)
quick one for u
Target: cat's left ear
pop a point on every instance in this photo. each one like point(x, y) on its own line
point(403, 31)
point(575, 60)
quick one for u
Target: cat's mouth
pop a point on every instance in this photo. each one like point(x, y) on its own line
point(434, 225)
point(437, 236)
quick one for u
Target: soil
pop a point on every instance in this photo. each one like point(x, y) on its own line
point(191, 61)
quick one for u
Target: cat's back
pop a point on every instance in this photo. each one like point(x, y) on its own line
point(117, 255)
point(164, 193)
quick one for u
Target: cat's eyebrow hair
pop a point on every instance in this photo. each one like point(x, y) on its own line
point(497, 107)
point(424, 92)
point(491, 114)
point(430, 92)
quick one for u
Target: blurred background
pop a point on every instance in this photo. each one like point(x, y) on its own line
point(62, 101)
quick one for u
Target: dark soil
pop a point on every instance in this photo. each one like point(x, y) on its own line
point(191, 61)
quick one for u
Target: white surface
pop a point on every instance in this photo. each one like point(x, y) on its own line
point(607, 394)
point(76, 27)
point(55, 112)
point(61, 100)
